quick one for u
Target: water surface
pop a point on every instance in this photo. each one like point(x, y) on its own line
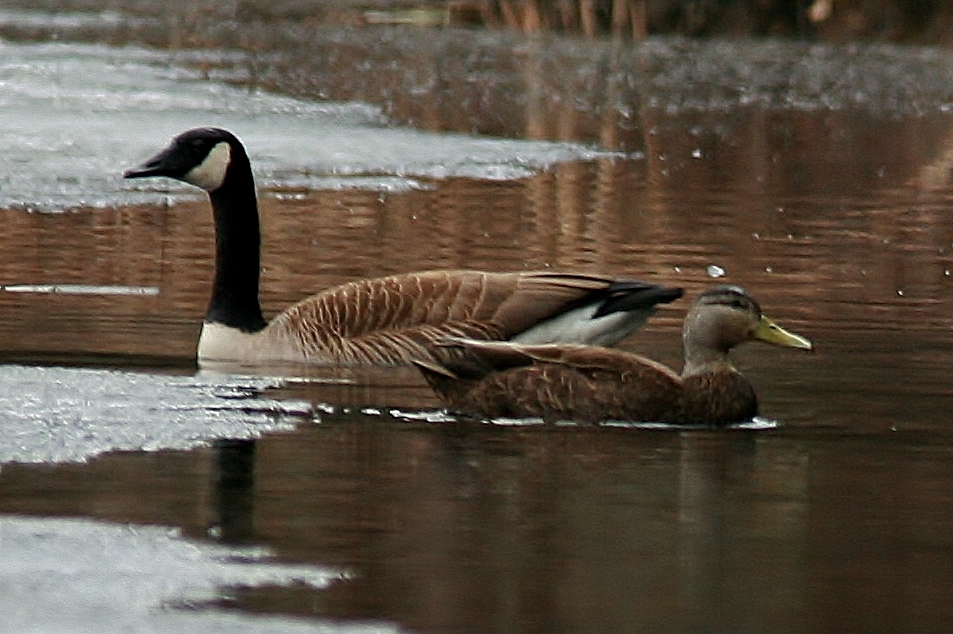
point(818, 177)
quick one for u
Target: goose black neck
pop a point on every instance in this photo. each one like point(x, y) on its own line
point(234, 300)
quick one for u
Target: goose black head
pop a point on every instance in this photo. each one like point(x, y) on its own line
point(200, 157)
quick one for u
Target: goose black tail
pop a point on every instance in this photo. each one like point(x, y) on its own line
point(631, 295)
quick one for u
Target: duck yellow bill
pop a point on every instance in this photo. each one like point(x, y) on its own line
point(770, 332)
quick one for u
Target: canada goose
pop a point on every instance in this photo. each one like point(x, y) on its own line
point(384, 321)
point(589, 384)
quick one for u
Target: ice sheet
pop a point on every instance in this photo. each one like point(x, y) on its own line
point(74, 116)
point(55, 414)
point(66, 576)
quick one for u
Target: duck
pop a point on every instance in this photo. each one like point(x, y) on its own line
point(589, 384)
point(390, 320)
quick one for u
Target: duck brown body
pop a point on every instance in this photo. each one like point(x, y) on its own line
point(590, 384)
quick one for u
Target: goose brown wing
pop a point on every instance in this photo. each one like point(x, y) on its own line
point(394, 319)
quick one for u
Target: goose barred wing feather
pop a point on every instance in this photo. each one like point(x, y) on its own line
point(396, 319)
point(533, 297)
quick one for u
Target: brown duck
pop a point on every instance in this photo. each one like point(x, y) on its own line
point(378, 321)
point(590, 384)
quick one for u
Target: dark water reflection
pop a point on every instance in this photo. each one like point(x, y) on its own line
point(475, 528)
point(836, 219)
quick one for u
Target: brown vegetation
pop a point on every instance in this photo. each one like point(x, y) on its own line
point(915, 21)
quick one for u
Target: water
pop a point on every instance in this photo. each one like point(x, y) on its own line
point(817, 177)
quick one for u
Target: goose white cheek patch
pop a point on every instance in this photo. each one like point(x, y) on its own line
point(210, 173)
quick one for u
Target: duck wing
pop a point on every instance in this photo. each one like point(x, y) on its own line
point(554, 382)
